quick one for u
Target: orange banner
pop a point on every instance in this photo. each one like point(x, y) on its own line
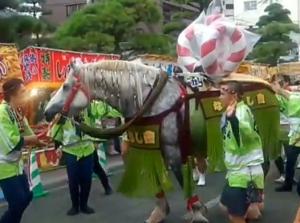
point(9, 63)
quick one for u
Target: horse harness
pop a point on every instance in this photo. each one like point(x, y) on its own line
point(159, 84)
point(184, 135)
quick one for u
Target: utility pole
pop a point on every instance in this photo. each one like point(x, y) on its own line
point(34, 3)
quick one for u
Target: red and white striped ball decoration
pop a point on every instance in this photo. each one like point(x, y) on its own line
point(217, 45)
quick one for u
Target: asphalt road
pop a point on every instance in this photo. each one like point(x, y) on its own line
point(279, 207)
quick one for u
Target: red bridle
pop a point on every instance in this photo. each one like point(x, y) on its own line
point(77, 87)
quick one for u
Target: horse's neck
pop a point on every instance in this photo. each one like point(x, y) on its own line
point(122, 97)
point(166, 99)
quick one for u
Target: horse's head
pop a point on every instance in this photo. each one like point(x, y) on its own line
point(71, 97)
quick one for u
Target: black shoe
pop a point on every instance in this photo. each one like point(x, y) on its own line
point(73, 211)
point(87, 210)
point(284, 188)
point(108, 191)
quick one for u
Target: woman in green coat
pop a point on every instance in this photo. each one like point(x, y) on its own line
point(14, 134)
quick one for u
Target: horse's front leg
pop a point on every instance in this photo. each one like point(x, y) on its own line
point(161, 210)
point(172, 155)
point(196, 210)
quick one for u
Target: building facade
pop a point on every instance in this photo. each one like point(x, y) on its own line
point(61, 9)
point(247, 12)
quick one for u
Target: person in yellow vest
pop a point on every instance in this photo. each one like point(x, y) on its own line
point(79, 150)
point(293, 148)
point(99, 110)
point(242, 197)
point(14, 134)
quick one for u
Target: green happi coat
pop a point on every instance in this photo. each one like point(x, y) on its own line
point(293, 113)
point(284, 121)
point(11, 142)
point(81, 145)
point(243, 148)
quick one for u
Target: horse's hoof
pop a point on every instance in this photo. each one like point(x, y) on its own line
point(192, 218)
point(157, 216)
point(197, 214)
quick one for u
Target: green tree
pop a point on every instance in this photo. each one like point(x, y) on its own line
point(275, 12)
point(274, 29)
point(40, 27)
point(179, 19)
point(19, 28)
point(110, 25)
point(9, 4)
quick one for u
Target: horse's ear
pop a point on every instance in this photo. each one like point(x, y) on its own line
point(73, 65)
point(76, 63)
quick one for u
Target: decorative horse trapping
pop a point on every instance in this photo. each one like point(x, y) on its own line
point(167, 126)
point(146, 173)
point(144, 136)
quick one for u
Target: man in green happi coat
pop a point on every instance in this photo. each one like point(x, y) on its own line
point(242, 197)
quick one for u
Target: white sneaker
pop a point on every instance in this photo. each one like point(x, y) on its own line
point(196, 174)
point(280, 180)
point(201, 181)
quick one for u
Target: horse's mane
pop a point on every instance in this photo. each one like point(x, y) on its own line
point(121, 65)
point(119, 75)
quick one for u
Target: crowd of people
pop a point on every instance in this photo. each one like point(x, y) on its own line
point(242, 197)
point(79, 151)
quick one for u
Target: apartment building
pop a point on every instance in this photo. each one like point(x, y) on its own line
point(247, 12)
point(61, 9)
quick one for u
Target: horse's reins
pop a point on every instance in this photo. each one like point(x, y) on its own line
point(159, 84)
point(78, 86)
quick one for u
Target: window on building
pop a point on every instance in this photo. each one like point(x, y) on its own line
point(70, 9)
point(229, 6)
point(250, 5)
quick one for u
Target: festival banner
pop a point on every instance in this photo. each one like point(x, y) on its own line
point(51, 65)
point(9, 63)
point(46, 159)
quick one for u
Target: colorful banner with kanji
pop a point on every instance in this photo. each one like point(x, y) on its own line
point(51, 65)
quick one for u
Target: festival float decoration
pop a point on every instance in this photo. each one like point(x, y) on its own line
point(9, 63)
point(144, 163)
point(215, 46)
point(164, 62)
point(215, 43)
